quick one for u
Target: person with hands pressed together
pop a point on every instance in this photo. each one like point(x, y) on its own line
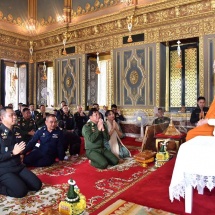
point(15, 179)
point(115, 144)
point(95, 133)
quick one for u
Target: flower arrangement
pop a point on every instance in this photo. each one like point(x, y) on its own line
point(75, 202)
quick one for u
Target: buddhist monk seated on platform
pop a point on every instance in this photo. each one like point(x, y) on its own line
point(199, 112)
point(203, 128)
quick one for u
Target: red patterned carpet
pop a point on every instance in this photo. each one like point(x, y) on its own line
point(99, 186)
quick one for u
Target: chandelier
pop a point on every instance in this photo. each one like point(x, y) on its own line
point(97, 68)
point(44, 71)
point(31, 50)
point(179, 64)
point(129, 22)
point(31, 25)
point(15, 77)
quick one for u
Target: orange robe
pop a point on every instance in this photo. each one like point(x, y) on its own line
point(203, 130)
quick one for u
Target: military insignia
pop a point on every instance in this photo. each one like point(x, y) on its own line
point(6, 149)
point(55, 136)
point(23, 124)
point(43, 135)
point(17, 133)
point(4, 136)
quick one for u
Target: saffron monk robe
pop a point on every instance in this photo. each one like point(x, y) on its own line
point(203, 128)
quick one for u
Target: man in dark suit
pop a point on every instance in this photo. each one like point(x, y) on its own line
point(33, 112)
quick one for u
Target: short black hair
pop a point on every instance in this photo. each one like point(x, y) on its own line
point(160, 108)
point(31, 104)
point(113, 106)
point(91, 111)
point(95, 104)
point(24, 105)
point(25, 109)
point(201, 98)
point(62, 102)
point(50, 115)
point(4, 109)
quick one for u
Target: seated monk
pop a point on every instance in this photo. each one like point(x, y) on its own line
point(203, 129)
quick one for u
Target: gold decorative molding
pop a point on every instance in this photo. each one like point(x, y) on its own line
point(83, 75)
point(13, 54)
point(130, 112)
point(157, 93)
point(95, 7)
point(201, 67)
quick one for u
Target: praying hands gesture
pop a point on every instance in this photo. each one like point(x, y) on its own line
point(114, 125)
point(18, 147)
point(100, 125)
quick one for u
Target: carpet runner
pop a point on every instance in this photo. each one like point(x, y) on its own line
point(101, 187)
point(153, 191)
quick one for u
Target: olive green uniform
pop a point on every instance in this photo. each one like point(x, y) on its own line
point(94, 144)
point(26, 126)
point(40, 121)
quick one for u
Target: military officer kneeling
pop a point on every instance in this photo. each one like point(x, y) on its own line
point(15, 179)
point(95, 134)
point(46, 145)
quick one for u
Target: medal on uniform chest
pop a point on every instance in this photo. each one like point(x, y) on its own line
point(6, 149)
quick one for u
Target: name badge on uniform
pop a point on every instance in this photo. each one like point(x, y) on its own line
point(37, 145)
point(6, 149)
point(55, 136)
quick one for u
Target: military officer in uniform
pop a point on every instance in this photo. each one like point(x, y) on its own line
point(95, 134)
point(26, 125)
point(40, 118)
point(67, 121)
point(15, 179)
point(160, 117)
point(46, 145)
point(60, 111)
point(80, 119)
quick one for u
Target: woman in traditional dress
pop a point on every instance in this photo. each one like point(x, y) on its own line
point(115, 144)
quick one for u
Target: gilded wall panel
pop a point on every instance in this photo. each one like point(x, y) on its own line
point(41, 87)
point(70, 86)
point(135, 74)
point(92, 82)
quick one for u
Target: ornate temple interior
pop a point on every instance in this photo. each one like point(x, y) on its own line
point(144, 56)
point(137, 54)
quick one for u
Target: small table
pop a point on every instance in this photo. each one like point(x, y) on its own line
point(194, 167)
